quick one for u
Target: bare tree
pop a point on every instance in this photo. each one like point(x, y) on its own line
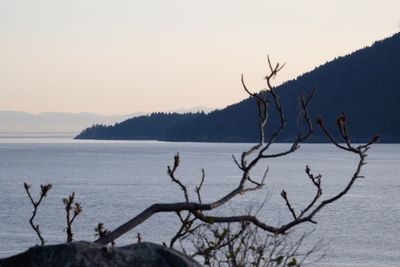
point(189, 211)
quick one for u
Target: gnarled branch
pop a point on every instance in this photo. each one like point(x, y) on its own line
point(197, 210)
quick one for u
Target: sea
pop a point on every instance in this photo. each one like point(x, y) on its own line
point(116, 180)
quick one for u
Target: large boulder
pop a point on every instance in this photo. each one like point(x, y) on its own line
point(87, 254)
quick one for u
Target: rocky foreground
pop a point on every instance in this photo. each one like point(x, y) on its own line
point(87, 254)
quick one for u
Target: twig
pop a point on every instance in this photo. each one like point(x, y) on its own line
point(44, 189)
point(76, 208)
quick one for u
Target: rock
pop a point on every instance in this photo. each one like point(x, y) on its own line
point(87, 254)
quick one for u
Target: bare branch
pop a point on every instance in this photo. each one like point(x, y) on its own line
point(237, 163)
point(184, 229)
point(171, 173)
point(76, 208)
point(316, 180)
point(198, 188)
point(360, 151)
point(44, 189)
point(247, 164)
point(262, 105)
point(284, 196)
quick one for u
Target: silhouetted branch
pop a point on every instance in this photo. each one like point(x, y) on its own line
point(316, 180)
point(361, 153)
point(198, 188)
point(185, 228)
point(197, 210)
point(44, 189)
point(76, 208)
point(262, 105)
point(100, 230)
point(284, 196)
point(171, 173)
point(207, 245)
point(139, 237)
point(244, 245)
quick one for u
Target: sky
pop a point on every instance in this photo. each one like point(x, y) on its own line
point(120, 57)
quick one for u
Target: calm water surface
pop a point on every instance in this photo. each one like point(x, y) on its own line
point(116, 180)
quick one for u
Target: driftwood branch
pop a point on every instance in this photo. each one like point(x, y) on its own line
point(198, 210)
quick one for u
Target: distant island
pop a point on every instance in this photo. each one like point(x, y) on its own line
point(364, 84)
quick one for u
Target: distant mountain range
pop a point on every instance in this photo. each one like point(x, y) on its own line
point(52, 122)
point(364, 84)
point(64, 122)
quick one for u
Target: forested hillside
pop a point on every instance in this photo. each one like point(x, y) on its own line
point(364, 84)
point(146, 127)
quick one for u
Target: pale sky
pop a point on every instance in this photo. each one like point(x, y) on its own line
point(118, 57)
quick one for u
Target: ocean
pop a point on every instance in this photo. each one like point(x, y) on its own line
point(115, 180)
